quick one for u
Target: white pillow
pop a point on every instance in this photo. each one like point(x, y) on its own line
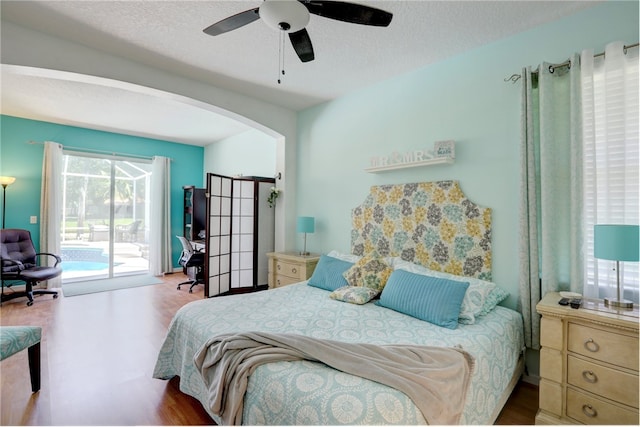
point(355, 258)
point(344, 257)
point(480, 298)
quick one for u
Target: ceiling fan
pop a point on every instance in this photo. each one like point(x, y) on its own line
point(291, 16)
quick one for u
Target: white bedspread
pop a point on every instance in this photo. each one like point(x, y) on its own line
point(304, 392)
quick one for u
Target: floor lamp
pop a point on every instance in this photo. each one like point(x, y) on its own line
point(617, 243)
point(5, 181)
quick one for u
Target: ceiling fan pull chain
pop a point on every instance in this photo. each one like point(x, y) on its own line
point(282, 38)
point(280, 56)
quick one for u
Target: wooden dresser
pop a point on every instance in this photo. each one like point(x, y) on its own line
point(286, 268)
point(588, 364)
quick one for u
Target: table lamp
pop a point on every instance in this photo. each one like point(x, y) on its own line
point(617, 243)
point(5, 181)
point(306, 224)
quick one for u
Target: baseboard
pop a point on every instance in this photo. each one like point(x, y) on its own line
point(531, 379)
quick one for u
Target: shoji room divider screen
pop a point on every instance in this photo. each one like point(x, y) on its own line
point(240, 232)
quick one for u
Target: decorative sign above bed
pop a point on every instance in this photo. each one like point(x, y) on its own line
point(443, 152)
point(429, 223)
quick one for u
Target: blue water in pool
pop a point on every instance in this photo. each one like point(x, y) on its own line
point(83, 265)
point(84, 259)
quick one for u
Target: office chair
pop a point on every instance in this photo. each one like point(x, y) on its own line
point(193, 262)
point(20, 263)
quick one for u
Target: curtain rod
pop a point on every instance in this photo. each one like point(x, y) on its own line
point(94, 151)
point(515, 77)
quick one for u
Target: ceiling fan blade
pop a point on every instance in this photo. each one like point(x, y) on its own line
point(349, 12)
point(231, 23)
point(302, 45)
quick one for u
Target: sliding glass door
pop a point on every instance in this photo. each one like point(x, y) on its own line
point(104, 230)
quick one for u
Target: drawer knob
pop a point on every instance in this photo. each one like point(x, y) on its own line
point(278, 266)
point(591, 345)
point(589, 411)
point(294, 270)
point(590, 377)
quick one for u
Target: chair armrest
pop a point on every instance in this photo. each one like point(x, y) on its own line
point(5, 262)
point(58, 259)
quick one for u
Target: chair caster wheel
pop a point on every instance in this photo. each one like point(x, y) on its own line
point(190, 291)
point(29, 303)
point(55, 296)
point(178, 288)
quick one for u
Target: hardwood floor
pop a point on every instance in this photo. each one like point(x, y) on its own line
point(98, 355)
point(522, 406)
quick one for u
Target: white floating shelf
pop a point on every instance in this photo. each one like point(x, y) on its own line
point(436, 161)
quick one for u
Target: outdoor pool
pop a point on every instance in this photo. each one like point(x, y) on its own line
point(84, 259)
point(88, 254)
point(83, 265)
point(81, 261)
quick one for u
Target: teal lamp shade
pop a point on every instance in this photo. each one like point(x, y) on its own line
point(617, 242)
point(306, 224)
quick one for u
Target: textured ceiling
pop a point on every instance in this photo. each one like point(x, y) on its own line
point(168, 35)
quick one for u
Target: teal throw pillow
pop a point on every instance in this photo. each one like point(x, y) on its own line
point(428, 298)
point(328, 273)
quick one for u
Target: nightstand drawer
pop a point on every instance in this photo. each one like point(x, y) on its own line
point(604, 345)
point(588, 363)
point(290, 270)
point(286, 268)
point(284, 281)
point(590, 410)
point(610, 383)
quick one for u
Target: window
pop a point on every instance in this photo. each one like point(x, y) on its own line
point(611, 161)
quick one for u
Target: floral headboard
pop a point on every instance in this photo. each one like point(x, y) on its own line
point(428, 223)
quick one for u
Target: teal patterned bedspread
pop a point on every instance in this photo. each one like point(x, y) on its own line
point(310, 393)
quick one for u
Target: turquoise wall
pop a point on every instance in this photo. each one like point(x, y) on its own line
point(463, 98)
point(24, 161)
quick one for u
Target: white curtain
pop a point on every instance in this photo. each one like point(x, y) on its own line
point(610, 104)
point(51, 205)
point(160, 228)
point(550, 231)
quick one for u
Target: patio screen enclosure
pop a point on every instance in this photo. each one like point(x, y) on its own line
point(104, 230)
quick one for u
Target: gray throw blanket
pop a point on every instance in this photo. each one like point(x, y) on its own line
point(435, 378)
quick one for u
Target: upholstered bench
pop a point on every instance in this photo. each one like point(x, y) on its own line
point(16, 338)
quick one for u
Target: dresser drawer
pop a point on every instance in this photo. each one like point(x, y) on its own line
point(610, 383)
point(590, 410)
point(293, 271)
point(604, 345)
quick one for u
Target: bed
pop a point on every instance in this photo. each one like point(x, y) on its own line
point(426, 230)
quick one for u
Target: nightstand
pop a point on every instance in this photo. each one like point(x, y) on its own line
point(286, 268)
point(588, 363)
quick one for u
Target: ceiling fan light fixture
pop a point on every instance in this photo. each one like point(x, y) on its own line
point(284, 15)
